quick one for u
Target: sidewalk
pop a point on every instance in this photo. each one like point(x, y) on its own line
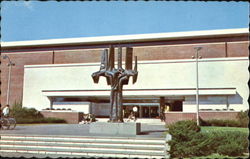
point(147, 130)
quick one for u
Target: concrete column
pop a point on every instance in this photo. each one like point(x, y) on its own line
point(149, 111)
point(162, 105)
point(51, 102)
point(140, 112)
point(90, 107)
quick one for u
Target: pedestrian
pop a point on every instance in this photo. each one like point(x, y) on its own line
point(165, 110)
point(131, 117)
point(135, 110)
point(6, 111)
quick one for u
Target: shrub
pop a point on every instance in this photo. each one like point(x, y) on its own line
point(40, 120)
point(188, 141)
point(243, 115)
point(220, 138)
point(242, 121)
point(219, 122)
point(231, 149)
point(183, 128)
point(243, 118)
point(30, 115)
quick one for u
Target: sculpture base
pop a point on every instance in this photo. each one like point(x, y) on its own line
point(115, 128)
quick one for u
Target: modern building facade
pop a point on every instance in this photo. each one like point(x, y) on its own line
point(56, 74)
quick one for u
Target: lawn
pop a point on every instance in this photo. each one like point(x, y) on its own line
point(220, 156)
point(217, 128)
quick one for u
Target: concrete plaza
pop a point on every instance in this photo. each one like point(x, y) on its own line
point(147, 130)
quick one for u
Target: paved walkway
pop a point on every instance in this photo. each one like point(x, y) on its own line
point(147, 130)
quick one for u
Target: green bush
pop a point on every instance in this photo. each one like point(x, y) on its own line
point(231, 149)
point(219, 122)
point(221, 138)
point(40, 120)
point(183, 128)
point(242, 121)
point(25, 115)
point(189, 141)
point(243, 118)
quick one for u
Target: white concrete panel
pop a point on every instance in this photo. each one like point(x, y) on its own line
point(74, 106)
point(137, 92)
point(213, 73)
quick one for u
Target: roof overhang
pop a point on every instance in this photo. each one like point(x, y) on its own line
point(127, 38)
point(140, 92)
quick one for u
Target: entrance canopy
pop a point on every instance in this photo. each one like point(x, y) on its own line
point(140, 92)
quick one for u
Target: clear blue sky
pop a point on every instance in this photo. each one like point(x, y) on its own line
point(33, 20)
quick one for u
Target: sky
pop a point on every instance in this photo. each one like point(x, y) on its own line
point(34, 20)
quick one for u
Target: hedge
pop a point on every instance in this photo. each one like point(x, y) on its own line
point(243, 117)
point(220, 122)
point(25, 115)
point(242, 121)
point(189, 141)
point(39, 120)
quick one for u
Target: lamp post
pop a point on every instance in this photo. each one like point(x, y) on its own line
point(10, 64)
point(197, 82)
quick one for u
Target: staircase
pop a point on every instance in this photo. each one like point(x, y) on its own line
point(69, 146)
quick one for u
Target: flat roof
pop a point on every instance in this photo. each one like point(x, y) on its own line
point(128, 38)
point(140, 92)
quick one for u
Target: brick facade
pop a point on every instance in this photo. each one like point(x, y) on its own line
point(69, 117)
point(16, 85)
point(173, 117)
point(236, 46)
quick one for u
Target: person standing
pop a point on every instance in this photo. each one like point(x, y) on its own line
point(135, 110)
point(165, 110)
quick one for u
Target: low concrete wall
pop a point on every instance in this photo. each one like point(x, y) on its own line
point(129, 128)
point(68, 116)
point(172, 117)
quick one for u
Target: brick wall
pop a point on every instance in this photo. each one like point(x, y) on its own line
point(17, 72)
point(69, 117)
point(237, 49)
point(164, 50)
point(172, 117)
point(160, 52)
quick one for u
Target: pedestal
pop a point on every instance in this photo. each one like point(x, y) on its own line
point(115, 128)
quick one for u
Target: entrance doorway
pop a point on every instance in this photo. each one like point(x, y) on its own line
point(177, 106)
point(143, 111)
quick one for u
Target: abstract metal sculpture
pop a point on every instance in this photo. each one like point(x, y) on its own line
point(116, 77)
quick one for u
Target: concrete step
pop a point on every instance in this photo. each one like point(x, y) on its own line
point(148, 141)
point(29, 154)
point(81, 149)
point(87, 145)
point(83, 146)
point(68, 150)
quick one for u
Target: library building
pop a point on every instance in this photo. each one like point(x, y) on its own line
point(54, 76)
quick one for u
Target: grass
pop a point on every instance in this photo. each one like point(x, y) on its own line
point(220, 156)
point(217, 128)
